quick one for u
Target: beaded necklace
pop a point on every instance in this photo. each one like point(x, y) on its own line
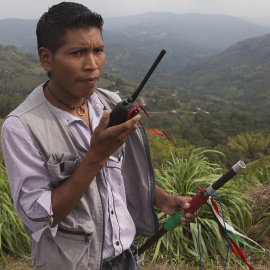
point(81, 110)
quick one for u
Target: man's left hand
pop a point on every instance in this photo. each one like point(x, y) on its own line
point(169, 204)
point(173, 202)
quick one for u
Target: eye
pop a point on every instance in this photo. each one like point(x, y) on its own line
point(99, 50)
point(77, 53)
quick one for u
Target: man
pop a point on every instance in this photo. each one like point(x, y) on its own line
point(81, 189)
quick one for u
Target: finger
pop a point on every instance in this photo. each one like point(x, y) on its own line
point(184, 221)
point(133, 122)
point(125, 128)
point(187, 219)
point(184, 204)
point(104, 121)
point(189, 216)
point(181, 201)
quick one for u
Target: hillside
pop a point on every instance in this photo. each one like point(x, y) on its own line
point(19, 72)
point(265, 20)
point(219, 97)
point(213, 32)
point(239, 74)
point(238, 78)
point(133, 42)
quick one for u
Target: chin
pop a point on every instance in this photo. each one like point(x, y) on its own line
point(91, 91)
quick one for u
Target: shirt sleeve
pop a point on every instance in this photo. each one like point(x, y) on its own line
point(28, 177)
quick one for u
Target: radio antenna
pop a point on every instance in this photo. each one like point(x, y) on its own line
point(133, 97)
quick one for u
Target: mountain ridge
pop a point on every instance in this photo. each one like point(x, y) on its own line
point(133, 42)
point(241, 71)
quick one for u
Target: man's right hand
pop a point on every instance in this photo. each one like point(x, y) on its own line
point(105, 141)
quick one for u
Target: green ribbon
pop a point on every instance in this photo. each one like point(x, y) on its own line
point(174, 220)
point(234, 235)
point(245, 243)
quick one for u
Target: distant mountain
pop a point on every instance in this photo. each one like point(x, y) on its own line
point(133, 42)
point(214, 32)
point(240, 73)
point(19, 32)
point(263, 20)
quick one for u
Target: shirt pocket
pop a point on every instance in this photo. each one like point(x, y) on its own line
point(61, 166)
point(116, 159)
point(64, 251)
point(114, 162)
point(113, 173)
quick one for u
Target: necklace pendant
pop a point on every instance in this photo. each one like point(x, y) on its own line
point(81, 111)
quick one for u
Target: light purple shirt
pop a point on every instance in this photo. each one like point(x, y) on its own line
point(30, 181)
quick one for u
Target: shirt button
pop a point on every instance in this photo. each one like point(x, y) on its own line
point(117, 243)
point(112, 212)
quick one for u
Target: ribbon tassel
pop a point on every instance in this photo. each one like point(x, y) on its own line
point(232, 233)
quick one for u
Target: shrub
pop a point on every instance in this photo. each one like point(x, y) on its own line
point(13, 238)
point(184, 176)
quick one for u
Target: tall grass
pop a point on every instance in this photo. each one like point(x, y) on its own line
point(263, 176)
point(181, 176)
point(13, 238)
point(1, 154)
point(185, 176)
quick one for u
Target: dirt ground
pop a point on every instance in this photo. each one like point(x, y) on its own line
point(260, 195)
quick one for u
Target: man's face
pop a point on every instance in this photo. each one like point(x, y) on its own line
point(77, 65)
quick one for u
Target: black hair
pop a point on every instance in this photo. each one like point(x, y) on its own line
point(52, 26)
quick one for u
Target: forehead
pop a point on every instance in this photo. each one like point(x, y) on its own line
point(82, 37)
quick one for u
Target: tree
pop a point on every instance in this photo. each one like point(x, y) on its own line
point(7, 104)
point(249, 143)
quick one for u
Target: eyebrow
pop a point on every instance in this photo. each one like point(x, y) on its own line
point(83, 47)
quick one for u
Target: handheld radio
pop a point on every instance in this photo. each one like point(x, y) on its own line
point(127, 108)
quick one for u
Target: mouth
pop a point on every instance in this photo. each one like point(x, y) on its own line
point(90, 81)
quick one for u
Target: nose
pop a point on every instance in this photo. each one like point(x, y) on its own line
point(90, 62)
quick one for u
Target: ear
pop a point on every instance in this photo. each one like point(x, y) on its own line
point(45, 56)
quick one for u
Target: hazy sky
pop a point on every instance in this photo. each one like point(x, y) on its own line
point(33, 9)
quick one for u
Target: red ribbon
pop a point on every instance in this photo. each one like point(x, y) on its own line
point(137, 108)
point(152, 131)
point(233, 247)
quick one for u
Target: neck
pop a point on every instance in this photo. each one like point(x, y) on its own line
point(76, 109)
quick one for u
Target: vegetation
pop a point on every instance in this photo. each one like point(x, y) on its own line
point(19, 73)
point(234, 75)
point(133, 42)
point(196, 113)
point(184, 176)
point(1, 154)
point(13, 238)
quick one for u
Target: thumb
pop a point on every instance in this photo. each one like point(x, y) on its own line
point(186, 205)
point(104, 121)
point(183, 202)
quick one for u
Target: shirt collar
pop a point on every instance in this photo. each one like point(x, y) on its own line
point(93, 101)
